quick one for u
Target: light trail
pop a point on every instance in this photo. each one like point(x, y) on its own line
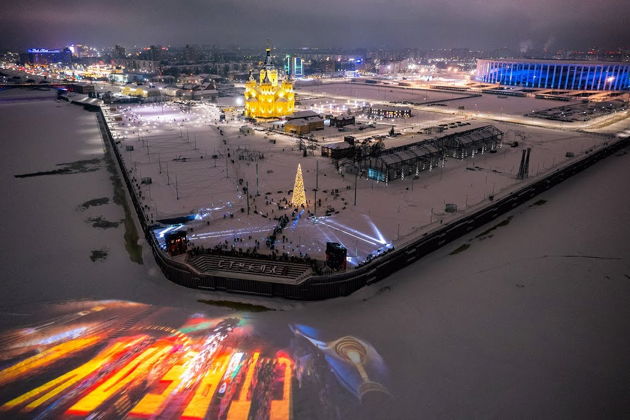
point(380, 240)
point(376, 230)
point(161, 233)
point(351, 234)
point(222, 233)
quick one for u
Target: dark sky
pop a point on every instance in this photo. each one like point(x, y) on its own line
point(294, 23)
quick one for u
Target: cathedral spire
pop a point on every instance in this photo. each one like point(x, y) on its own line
point(268, 61)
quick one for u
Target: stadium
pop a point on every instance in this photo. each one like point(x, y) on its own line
point(555, 74)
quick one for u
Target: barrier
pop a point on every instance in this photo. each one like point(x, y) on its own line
point(318, 287)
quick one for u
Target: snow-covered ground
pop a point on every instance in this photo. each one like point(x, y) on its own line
point(47, 217)
point(529, 319)
point(484, 103)
point(373, 93)
point(201, 168)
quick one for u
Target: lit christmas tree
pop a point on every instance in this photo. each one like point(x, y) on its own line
point(299, 196)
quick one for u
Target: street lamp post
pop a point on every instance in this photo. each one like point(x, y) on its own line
point(356, 177)
point(316, 185)
point(246, 189)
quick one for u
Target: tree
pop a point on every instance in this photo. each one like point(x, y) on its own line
point(299, 196)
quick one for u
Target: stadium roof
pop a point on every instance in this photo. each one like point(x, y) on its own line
point(547, 61)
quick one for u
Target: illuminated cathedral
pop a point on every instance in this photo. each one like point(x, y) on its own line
point(269, 97)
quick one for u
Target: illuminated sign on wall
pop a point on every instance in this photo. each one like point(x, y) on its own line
point(43, 50)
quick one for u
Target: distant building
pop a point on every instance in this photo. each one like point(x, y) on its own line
point(154, 53)
point(204, 91)
point(83, 51)
point(84, 88)
point(205, 94)
point(127, 77)
point(46, 56)
point(302, 114)
point(119, 52)
point(555, 74)
point(342, 121)
point(191, 54)
point(293, 66)
point(303, 122)
point(147, 93)
point(269, 96)
point(303, 126)
point(298, 67)
point(338, 150)
point(171, 91)
point(136, 65)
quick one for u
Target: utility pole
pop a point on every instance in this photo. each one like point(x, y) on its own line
point(257, 193)
point(168, 178)
point(176, 188)
point(356, 177)
point(316, 184)
point(247, 195)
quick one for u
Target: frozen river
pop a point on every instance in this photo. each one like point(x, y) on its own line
point(526, 317)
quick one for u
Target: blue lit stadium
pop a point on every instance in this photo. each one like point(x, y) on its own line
point(555, 74)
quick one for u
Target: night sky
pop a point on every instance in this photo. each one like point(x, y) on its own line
point(577, 24)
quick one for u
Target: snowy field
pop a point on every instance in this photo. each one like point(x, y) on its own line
point(528, 319)
point(198, 167)
point(508, 105)
point(372, 93)
point(484, 103)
